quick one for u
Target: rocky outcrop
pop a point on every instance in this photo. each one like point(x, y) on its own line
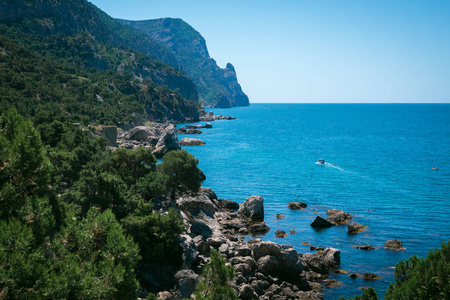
point(191, 142)
point(338, 217)
point(394, 245)
point(322, 261)
point(167, 142)
point(320, 222)
point(297, 205)
point(355, 227)
point(205, 116)
point(253, 208)
point(186, 282)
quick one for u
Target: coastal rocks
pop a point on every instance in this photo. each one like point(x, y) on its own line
point(322, 261)
point(297, 205)
point(190, 253)
point(140, 133)
point(365, 247)
point(196, 205)
point(394, 245)
point(259, 228)
point(167, 142)
point(370, 276)
point(338, 217)
point(186, 282)
point(208, 125)
point(280, 233)
point(227, 205)
point(191, 142)
point(253, 208)
point(320, 222)
point(205, 116)
point(355, 228)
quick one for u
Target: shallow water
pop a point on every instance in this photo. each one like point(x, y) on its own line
point(379, 169)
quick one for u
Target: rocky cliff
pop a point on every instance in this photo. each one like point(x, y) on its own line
point(216, 87)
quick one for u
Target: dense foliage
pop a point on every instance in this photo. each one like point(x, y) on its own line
point(369, 294)
point(423, 278)
point(76, 218)
point(216, 277)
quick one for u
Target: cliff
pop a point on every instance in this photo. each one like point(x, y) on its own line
point(216, 87)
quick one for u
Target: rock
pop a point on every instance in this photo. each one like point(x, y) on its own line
point(244, 251)
point(305, 243)
point(297, 205)
point(280, 216)
point(194, 126)
point(291, 265)
point(338, 217)
point(312, 248)
point(139, 133)
point(186, 281)
point(243, 260)
point(181, 130)
point(167, 142)
point(246, 292)
point(165, 295)
point(193, 131)
point(203, 247)
point(355, 227)
point(243, 268)
point(320, 222)
point(190, 253)
point(208, 193)
point(394, 245)
point(338, 271)
point(315, 286)
point(191, 142)
point(208, 125)
point(331, 282)
point(253, 208)
point(228, 205)
point(322, 261)
point(370, 276)
point(309, 295)
point(200, 228)
point(280, 234)
point(366, 247)
point(353, 275)
point(259, 286)
point(259, 228)
point(240, 280)
point(268, 265)
point(216, 241)
point(196, 205)
point(292, 231)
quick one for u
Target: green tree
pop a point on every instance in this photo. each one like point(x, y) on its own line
point(181, 172)
point(216, 278)
point(423, 278)
point(93, 259)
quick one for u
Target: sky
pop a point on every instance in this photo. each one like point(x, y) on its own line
point(348, 51)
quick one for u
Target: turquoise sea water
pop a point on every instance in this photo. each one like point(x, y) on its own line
point(379, 169)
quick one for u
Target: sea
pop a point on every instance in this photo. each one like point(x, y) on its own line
point(388, 165)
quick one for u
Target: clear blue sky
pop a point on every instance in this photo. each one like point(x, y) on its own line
point(319, 51)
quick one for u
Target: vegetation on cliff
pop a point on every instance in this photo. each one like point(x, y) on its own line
point(76, 218)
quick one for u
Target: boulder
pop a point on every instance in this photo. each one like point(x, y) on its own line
point(139, 133)
point(394, 245)
point(268, 265)
point(203, 247)
point(297, 205)
point(331, 282)
point(194, 126)
point(280, 216)
point(246, 292)
point(181, 130)
point(370, 276)
point(366, 247)
point(320, 222)
point(259, 286)
point(208, 125)
point(191, 142)
point(190, 253)
point(186, 281)
point(253, 208)
point(229, 205)
point(200, 228)
point(291, 265)
point(193, 131)
point(208, 193)
point(259, 228)
point(196, 205)
point(322, 261)
point(167, 142)
point(280, 233)
point(309, 295)
point(243, 268)
point(355, 227)
point(248, 260)
point(338, 217)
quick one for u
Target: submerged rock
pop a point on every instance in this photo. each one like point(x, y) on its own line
point(370, 276)
point(297, 205)
point(280, 233)
point(394, 245)
point(355, 227)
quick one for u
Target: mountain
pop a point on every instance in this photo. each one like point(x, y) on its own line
point(216, 87)
point(51, 17)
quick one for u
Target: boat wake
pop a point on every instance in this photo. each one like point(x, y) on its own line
point(330, 165)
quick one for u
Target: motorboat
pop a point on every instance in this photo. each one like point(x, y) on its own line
point(321, 161)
